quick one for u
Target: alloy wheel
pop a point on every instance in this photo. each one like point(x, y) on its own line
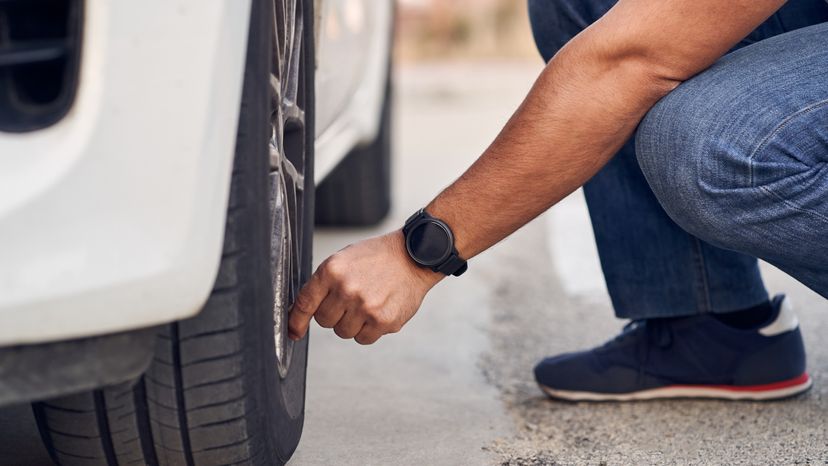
point(287, 168)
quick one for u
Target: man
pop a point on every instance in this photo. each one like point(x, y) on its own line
point(693, 165)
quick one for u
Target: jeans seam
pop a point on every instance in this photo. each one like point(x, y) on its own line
point(792, 205)
point(782, 125)
point(703, 284)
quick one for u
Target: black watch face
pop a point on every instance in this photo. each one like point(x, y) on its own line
point(429, 243)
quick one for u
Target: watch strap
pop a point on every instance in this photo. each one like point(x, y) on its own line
point(412, 218)
point(454, 265)
point(408, 223)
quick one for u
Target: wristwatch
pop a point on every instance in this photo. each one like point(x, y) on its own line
point(430, 243)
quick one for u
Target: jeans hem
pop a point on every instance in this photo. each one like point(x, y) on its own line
point(656, 310)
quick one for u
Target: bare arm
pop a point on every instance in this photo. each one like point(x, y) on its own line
point(586, 103)
point(585, 106)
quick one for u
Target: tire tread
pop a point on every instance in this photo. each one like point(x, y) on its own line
point(94, 428)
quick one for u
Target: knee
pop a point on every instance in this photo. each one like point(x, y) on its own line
point(687, 163)
point(555, 22)
point(716, 158)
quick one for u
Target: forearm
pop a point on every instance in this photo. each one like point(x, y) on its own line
point(585, 106)
point(580, 111)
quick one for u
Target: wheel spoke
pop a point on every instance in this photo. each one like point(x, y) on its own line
point(280, 33)
point(291, 175)
point(282, 265)
point(293, 114)
point(293, 53)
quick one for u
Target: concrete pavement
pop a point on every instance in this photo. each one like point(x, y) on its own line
point(418, 397)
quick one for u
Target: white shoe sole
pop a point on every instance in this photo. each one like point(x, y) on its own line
point(771, 391)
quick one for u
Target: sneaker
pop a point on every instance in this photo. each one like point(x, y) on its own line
point(686, 357)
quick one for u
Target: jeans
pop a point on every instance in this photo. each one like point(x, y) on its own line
point(728, 167)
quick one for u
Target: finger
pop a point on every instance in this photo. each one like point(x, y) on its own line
point(368, 335)
point(330, 311)
point(349, 325)
point(305, 306)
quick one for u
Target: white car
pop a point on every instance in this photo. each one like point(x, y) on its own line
point(157, 190)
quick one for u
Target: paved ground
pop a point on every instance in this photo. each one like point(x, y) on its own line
point(419, 397)
point(455, 387)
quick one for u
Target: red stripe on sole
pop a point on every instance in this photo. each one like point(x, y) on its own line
point(753, 388)
point(770, 391)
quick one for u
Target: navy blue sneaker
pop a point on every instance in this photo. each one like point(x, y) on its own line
point(686, 357)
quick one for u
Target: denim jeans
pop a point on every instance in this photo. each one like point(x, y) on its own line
point(736, 168)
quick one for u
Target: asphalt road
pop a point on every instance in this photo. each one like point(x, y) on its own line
point(455, 386)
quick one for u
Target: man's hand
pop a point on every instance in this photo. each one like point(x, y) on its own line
point(364, 291)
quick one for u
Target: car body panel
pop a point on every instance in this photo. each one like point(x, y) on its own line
point(350, 87)
point(112, 219)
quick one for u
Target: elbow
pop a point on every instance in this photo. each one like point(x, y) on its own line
point(637, 76)
point(661, 78)
point(654, 77)
point(653, 72)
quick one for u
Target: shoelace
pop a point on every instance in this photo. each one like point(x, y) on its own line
point(658, 333)
point(657, 330)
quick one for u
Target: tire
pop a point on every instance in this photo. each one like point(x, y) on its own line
point(97, 428)
point(358, 191)
point(217, 391)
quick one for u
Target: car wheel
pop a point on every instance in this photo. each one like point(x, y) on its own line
point(358, 191)
point(228, 386)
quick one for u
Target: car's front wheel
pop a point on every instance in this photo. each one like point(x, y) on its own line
point(227, 386)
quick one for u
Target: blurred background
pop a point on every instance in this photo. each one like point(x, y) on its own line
point(463, 29)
